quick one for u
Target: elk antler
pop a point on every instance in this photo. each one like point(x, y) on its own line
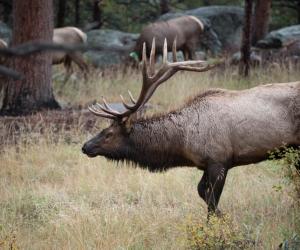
point(151, 81)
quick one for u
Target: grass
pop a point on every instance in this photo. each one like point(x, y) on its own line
point(54, 197)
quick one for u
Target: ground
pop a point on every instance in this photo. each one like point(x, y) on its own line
point(54, 197)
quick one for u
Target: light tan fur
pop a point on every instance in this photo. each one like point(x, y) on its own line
point(187, 31)
point(69, 36)
point(197, 21)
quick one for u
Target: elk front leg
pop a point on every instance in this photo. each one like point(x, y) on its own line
point(211, 186)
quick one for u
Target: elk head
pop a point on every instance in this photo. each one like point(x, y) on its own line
point(115, 142)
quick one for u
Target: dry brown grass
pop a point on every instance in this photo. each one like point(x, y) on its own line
point(54, 197)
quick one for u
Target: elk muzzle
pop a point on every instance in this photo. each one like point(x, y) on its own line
point(89, 148)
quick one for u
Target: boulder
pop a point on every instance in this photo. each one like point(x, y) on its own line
point(223, 26)
point(116, 46)
point(279, 38)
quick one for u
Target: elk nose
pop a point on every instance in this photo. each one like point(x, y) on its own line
point(84, 149)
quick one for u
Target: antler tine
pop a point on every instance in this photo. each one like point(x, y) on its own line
point(187, 63)
point(108, 108)
point(144, 59)
point(152, 58)
point(174, 50)
point(131, 97)
point(197, 69)
point(165, 52)
point(125, 104)
point(94, 110)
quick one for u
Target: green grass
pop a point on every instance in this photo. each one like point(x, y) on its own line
point(54, 197)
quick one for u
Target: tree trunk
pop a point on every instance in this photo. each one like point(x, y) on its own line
point(77, 12)
point(298, 12)
point(61, 13)
point(244, 68)
point(6, 7)
point(261, 20)
point(2, 12)
point(97, 13)
point(164, 6)
point(33, 21)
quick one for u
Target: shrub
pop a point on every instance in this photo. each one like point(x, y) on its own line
point(217, 233)
point(290, 157)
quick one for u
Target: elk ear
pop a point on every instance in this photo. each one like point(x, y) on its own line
point(128, 125)
point(128, 122)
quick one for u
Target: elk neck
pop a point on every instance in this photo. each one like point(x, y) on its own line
point(156, 143)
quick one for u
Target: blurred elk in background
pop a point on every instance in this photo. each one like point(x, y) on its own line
point(186, 29)
point(69, 36)
point(66, 36)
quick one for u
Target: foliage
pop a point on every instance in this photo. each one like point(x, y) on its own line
point(285, 13)
point(9, 241)
point(132, 15)
point(291, 158)
point(217, 233)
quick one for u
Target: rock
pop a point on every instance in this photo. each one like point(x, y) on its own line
point(255, 59)
point(281, 45)
point(289, 53)
point(5, 32)
point(223, 26)
point(117, 46)
point(278, 38)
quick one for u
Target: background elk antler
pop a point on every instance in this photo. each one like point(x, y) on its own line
point(151, 81)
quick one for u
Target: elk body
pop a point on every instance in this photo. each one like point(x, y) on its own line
point(215, 131)
point(69, 36)
point(186, 29)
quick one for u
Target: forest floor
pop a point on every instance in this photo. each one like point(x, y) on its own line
point(54, 197)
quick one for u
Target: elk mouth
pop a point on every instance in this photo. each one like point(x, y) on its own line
point(88, 153)
point(91, 155)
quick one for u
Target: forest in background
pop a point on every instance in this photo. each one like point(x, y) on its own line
point(132, 15)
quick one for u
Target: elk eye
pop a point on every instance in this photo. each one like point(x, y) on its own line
point(108, 135)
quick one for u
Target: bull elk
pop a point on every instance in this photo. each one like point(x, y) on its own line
point(215, 131)
point(69, 36)
point(186, 29)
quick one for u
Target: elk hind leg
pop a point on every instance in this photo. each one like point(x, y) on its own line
point(78, 59)
point(68, 67)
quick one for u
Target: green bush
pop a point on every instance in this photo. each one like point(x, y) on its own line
point(290, 158)
point(217, 233)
